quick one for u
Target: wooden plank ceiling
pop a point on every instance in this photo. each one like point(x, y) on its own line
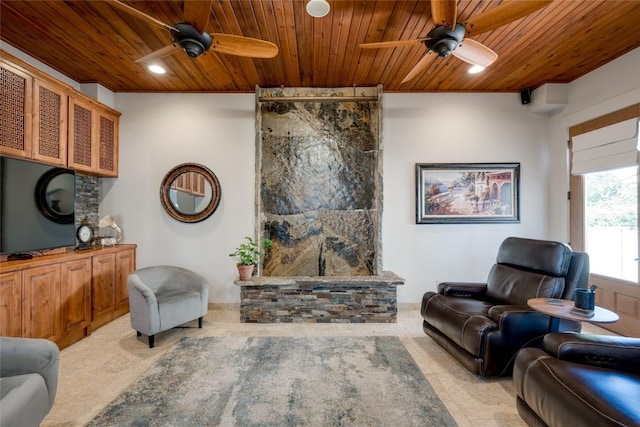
point(91, 41)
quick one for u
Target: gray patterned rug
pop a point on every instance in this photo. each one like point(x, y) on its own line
point(280, 381)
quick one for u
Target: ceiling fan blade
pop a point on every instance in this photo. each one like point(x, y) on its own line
point(197, 13)
point(420, 66)
point(160, 53)
point(475, 53)
point(396, 43)
point(444, 12)
point(135, 12)
point(503, 14)
point(243, 46)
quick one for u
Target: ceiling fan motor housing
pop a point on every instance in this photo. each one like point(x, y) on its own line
point(190, 39)
point(443, 40)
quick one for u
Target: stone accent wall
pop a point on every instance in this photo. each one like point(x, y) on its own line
point(319, 189)
point(320, 300)
point(87, 199)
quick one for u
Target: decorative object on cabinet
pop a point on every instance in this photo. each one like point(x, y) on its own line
point(109, 221)
point(165, 296)
point(85, 236)
point(464, 193)
point(190, 192)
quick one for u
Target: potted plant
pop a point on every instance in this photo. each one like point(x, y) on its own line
point(247, 256)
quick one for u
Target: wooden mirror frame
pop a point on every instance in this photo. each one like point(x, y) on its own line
point(209, 177)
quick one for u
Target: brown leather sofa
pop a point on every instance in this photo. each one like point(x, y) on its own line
point(579, 380)
point(483, 325)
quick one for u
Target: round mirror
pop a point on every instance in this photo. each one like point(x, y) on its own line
point(190, 192)
point(55, 195)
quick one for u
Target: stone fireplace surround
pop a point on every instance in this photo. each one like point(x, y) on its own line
point(358, 299)
point(319, 198)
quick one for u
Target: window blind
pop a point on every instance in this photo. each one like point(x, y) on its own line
point(610, 147)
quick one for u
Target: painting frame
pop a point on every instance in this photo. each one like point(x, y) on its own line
point(467, 193)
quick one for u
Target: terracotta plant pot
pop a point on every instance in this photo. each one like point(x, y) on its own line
point(245, 271)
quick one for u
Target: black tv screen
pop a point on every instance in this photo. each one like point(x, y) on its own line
point(37, 206)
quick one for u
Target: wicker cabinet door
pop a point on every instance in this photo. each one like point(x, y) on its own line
point(41, 302)
point(82, 135)
point(10, 299)
point(16, 110)
point(107, 151)
point(50, 123)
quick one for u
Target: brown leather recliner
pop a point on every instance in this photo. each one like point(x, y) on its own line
point(483, 325)
point(579, 380)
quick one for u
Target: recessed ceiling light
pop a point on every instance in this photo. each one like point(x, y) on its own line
point(318, 8)
point(476, 69)
point(157, 69)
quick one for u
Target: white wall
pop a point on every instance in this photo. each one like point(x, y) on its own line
point(609, 88)
point(456, 128)
point(159, 131)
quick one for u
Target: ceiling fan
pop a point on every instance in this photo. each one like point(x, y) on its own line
point(189, 36)
point(448, 36)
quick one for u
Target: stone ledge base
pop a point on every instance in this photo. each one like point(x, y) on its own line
point(318, 303)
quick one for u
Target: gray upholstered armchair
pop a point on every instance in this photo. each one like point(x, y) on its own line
point(163, 297)
point(28, 380)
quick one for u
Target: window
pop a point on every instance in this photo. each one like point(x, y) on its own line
point(611, 222)
point(605, 161)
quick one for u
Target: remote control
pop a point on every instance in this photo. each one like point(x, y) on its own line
point(553, 302)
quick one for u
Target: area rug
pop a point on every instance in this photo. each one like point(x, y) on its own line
point(280, 381)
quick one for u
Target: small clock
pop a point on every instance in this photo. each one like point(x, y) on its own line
point(85, 235)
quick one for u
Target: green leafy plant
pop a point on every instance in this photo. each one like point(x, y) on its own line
point(249, 252)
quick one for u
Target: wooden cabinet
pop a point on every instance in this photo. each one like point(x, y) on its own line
point(34, 116)
point(41, 302)
point(46, 120)
point(103, 290)
point(10, 300)
point(50, 122)
point(63, 297)
point(93, 138)
point(16, 110)
point(107, 143)
point(75, 297)
point(110, 289)
point(125, 264)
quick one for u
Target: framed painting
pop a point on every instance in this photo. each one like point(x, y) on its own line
point(465, 193)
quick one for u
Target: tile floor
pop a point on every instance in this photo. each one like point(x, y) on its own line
point(95, 370)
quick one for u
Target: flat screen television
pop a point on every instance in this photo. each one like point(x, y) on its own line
point(37, 206)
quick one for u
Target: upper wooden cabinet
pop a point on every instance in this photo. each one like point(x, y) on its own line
point(93, 138)
point(46, 120)
point(50, 122)
point(16, 109)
